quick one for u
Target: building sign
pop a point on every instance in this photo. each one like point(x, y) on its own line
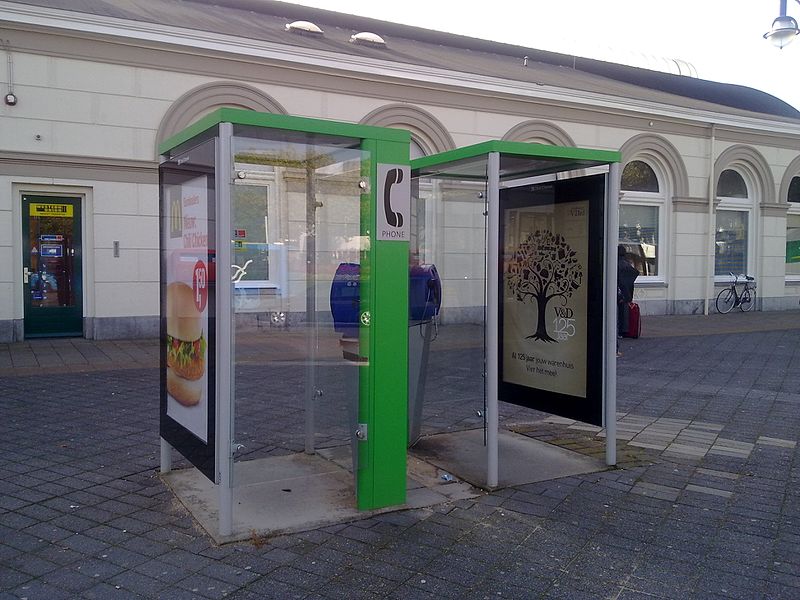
point(394, 203)
point(52, 250)
point(551, 289)
point(40, 209)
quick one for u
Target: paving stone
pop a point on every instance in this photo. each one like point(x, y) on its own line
point(707, 490)
point(780, 443)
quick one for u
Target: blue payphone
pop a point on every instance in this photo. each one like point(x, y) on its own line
point(424, 292)
point(424, 296)
point(345, 299)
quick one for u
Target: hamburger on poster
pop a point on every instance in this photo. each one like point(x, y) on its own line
point(186, 346)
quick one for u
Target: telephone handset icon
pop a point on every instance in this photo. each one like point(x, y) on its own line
point(393, 177)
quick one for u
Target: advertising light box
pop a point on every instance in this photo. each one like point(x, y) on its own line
point(188, 306)
point(551, 291)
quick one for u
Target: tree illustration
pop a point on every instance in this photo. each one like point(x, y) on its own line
point(543, 267)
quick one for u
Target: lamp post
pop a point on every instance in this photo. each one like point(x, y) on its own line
point(784, 28)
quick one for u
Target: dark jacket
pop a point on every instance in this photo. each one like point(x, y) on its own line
point(626, 275)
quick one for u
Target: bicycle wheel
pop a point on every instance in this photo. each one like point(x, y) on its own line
point(748, 300)
point(725, 301)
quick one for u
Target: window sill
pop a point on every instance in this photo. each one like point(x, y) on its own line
point(649, 283)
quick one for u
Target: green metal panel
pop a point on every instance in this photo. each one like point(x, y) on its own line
point(522, 149)
point(384, 383)
point(239, 116)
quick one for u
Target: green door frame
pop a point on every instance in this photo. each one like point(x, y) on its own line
point(53, 321)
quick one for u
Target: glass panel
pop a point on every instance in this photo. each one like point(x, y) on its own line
point(638, 233)
point(793, 244)
point(638, 176)
point(51, 246)
point(296, 241)
point(794, 190)
point(446, 359)
point(731, 242)
point(731, 185)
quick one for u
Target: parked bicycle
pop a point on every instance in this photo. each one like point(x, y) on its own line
point(730, 297)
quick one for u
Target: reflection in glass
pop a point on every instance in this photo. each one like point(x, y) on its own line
point(731, 242)
point(446, 357)
point(638, 176)
point(295, 215)
point(52, 258)
point(638, 233)
point(731, 185)
point(794, 190)
point(793, 244)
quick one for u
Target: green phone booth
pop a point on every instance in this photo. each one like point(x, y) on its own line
point(284, 302)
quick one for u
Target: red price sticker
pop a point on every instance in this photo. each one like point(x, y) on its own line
point(200, 285)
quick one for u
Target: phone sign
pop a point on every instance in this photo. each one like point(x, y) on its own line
point(200, 285)
point(394, 203)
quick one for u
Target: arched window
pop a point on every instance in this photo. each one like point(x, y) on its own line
point(794, 190)
point(793, 229)
point(732, 239)
point(640, 218)
point(731, 185)
point(638, 176)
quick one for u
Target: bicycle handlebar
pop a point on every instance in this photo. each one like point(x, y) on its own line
point(743, 275)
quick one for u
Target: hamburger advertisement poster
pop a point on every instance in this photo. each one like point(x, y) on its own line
point(187, 306)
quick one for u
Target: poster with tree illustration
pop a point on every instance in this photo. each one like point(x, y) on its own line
point(545, 297)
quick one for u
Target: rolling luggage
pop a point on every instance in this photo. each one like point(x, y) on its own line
point(634, 321)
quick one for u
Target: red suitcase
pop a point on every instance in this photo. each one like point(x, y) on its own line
point(634, 321)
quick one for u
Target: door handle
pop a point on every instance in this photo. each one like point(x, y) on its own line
point(25, 274)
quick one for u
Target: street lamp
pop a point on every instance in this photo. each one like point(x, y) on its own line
point(784, 28)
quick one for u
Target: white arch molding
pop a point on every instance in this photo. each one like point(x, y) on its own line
point(426, 130)
point(540, 132)
point(201, 100)
point(667, 159)
point(748, 160)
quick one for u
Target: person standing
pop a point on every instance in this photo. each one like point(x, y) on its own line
point(626, 275)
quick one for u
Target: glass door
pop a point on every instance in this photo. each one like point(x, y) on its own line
point(51, 266)
point(296, 249)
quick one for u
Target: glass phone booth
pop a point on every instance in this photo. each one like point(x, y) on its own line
point(523, 238)
point(284, 257)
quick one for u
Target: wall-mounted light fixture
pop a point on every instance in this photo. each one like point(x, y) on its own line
point(784, 28)
point(11, 97)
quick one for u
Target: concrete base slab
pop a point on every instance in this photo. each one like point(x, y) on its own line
point(521, 459)
point(287, 494)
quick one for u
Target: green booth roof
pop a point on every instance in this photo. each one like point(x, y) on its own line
point(239, 116)
point(517, 160)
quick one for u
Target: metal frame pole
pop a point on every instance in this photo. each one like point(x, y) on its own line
point(312, 333)
point(492, 314)
point(711, 225)
point(166, 456)
point(224, 355)
point(612, 236)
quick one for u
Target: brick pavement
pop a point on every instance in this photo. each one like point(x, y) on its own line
point(705, 504)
